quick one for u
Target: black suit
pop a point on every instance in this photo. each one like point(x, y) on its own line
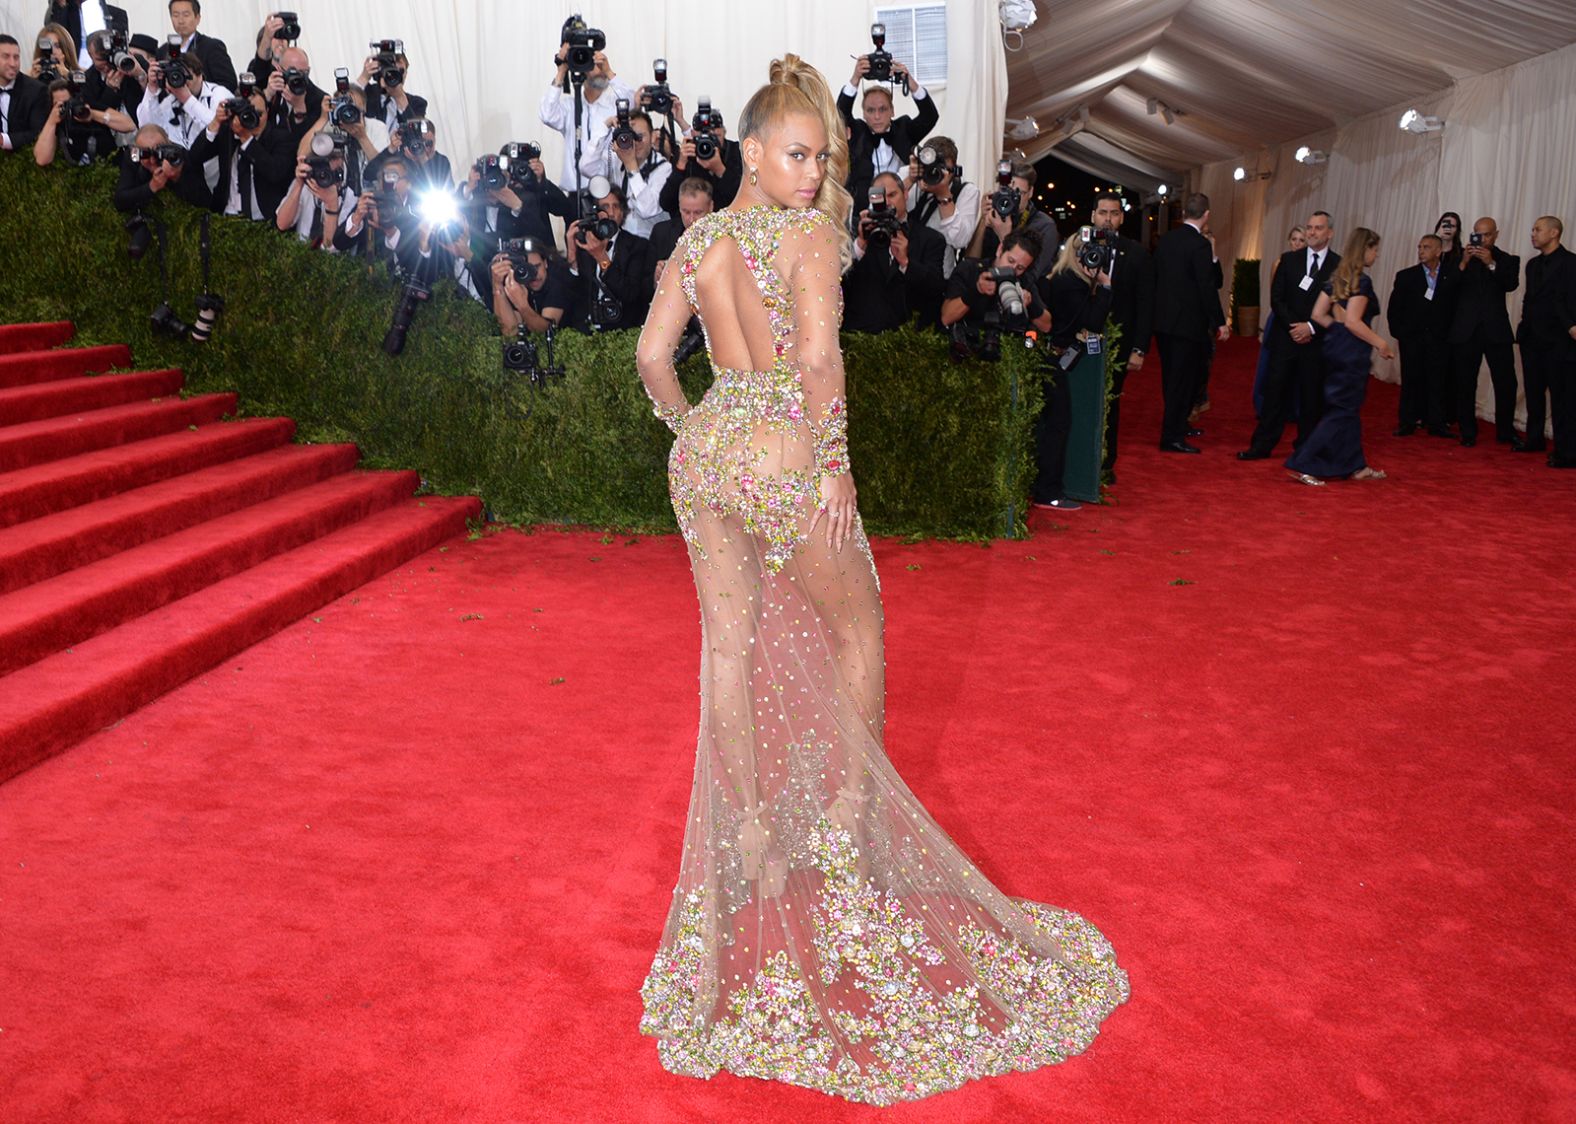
point(723, 188)
point(903, 135)
point(1187, 313)
point(378, 104)
point(627, 277)
point(1296, 370)
point(132, 193)
point(216, 65)
point(1548, 353)
point(877, 296)
point(664, 237)
point(28, 111)
point(1133, 309)
point(1419, 323)
point(69, 16)
point(1479, 330)
point(270, 160)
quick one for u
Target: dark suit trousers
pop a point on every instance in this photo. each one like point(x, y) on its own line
point(1425, 381)
point(1562, 390)
point(1538, 362)
point(1050, 438)
point(1184, 363)
point(1468, 362)
point(1295, 373)
point(1113, 413)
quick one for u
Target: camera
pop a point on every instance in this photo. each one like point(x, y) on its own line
point(494, 171)
point(243, 111)
point(246, 85)
point(1098, 251)
point(584, 43)
point(141, 236)
point(209, 306)
point(623, 135)
point(880, 58)
point(296, 81)
point(1006, 199)
point(600, 227)
point(410, 297)
point(342, 111)
point(321, 170)
point(48, 71)
point(291, 31)
point(120, 57)
point(169, 153)
point(1476, 238)
point(174, 67)
point(385, 198)
point(520, 154)
point(386, 53)
point(705, 122)
point(518, 251)
point(519, 354)
point(77, 107)
point(415, 135)
point(165, 320)
point(607, 310)
point(658, 97)
point(881, 223)
point(932, 169)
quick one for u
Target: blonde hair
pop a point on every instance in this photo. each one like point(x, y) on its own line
point(1069, 254)
point(1345, 281)
point(794, 86)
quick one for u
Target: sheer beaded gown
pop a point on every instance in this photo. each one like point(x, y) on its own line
point(824, 931)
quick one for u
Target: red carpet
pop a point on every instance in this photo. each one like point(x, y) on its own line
point(1303, 754)
point(142, 540)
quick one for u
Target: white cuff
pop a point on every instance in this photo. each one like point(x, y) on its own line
point(917, 92)
point(850, 90)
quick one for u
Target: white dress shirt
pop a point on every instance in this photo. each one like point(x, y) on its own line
point(557, 111)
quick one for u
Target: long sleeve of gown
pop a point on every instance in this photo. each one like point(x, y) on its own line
point(659, 339)
point(817, 287)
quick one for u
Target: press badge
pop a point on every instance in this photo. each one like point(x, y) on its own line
point(1428, 294)
point(1306, 284)
point(1092, 345)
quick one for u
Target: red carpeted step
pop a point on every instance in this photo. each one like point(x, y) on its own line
point(25, 368)
point(32, 337)
point(68, 396)
point(55, 438)
point(65, 610)
point(42, 548)
point(43, 489)
point(64, 697)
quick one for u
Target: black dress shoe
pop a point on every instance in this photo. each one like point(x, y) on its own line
point(1557, 461)
point(1179, 447)
point(1528, 447)
point(1501, 439)
point(1440, 431)
point(1468, 442)
point(1252, 455)
point(1406, 431)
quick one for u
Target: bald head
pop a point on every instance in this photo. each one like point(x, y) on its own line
point(295, 58)
point(151, 135)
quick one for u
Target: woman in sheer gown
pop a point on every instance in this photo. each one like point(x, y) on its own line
point(824, 930)
point(1346, 309)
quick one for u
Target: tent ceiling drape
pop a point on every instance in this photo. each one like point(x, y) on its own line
point(1242, 74)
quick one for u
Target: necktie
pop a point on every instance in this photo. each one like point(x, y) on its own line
point(5, 110)
point(625, 187)
point(244, 173)
point(317, 226)
point(1313, 263)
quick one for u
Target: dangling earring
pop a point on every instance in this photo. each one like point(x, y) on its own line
point(752, 177)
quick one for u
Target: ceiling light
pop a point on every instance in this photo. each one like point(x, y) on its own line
point(1414, 122)
point(1306, 155)
point(1022, 128)
point(1240, 174)
point(1162, 191)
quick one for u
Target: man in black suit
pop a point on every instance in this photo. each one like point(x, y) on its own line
point(724, 171)
point(149, 176)
point(619, 267)
point(893, 277)
point(1187, 310)
point(185, 15)
point(384, 226)
point(1132, 307)
point(387, 99)
point(1296, 365)
point(694, 201)
point(24, 100)
point(82, 18)
point(1547, 334)
point(879, 143)
point(1418, 313)
point(1481, 329)
point(256, 162)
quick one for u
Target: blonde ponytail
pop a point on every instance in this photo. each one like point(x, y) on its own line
point(794, 86)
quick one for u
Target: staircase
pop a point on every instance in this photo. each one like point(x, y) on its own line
point(144, 540)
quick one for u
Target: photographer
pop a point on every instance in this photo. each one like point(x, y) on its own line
point(81, 19)
point(1079, 292)
point(972, 296)
point(541, 299)
point(416, 141)
point(897, 265)
point(1028, 217)
point(383, 80)
point(557, 109)
point(182, 111)
point(382, 224)
point(629, 161)
point(319, 202)
point(256, 160)
point(294, 103)
point(518, 202)
point(694, 201)
point(879, 143)
point(938, 197)
point(273, 38)
point(349, 130)
point(71, 125)
point(613, 267)
point(154, 165)
point(24, 101)
point(1132, 281)
point(1480, 329)
point(185, 16)
point(705, 153)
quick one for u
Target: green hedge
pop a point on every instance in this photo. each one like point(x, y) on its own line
point(939, 449)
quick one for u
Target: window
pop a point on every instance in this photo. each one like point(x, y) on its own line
point(917, 36)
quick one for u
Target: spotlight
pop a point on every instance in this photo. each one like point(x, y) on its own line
point(1306, 155)
point(1414, 122)
point(1162, 191)
point(1240, 174)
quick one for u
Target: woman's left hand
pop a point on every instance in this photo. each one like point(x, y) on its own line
point(837, 504)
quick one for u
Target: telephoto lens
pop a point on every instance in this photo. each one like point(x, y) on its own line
point(209, 306)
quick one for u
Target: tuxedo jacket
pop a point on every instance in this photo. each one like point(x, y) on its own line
point(664, 239)
point(903, 135)
point(273, 156)
point(1187, 281)
point(723, 188)
point(69, 16)
point(1291, 302)
point(877, 296)
point(132, 192)
point(1549, 308)
point(30, 105)
point(628, 278)
point(1481, 312)
point(1133, 294)
point(1409, 312)
point(378, 105)
point(216, 65)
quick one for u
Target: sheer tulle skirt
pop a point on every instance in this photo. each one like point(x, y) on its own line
point(824, 930)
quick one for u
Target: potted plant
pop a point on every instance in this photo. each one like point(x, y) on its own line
point(1245, 296)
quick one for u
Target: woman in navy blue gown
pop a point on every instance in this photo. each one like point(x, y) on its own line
point(1346, 310)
